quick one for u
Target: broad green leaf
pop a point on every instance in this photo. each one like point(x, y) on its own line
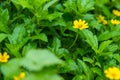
point(91, 39)
point(104, 45)
point(97, 71)
point(85, 5)
point(2, 36)
point(38, 59)
point(107, 35)
point(86, 69)
point(56, 44)
point(70, 6)
point(24, 3)
point(79, 77)
point(11, 68)
point(117, 57)
point(49, 4)
point(41, 36)
point(18, 34)
point(54, 15)
point(39, 3)
point(4, 17)
point(72, 66)
point(87, 59)
point(43, 76)
point(14, 48)
point(28, 47)
point(113, 47)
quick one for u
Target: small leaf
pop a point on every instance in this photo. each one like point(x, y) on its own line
point(104, 45)
point(113, 47)
point(4, 17)
point(107, 35)
point(23, 3)
point(49, 4)
point(86, 70)
point(56, 44)
point(2, 36)
point(117, 57)
point(41, 36)
point(87, 59)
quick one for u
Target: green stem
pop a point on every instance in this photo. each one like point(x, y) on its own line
point(74, 41)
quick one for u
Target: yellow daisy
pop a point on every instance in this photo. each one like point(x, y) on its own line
point(4, 57)
point(116, 12)
point(113, 73)
point(115, 22)
point(81, 24)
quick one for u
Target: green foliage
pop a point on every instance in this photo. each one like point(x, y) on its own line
point(37, 59)
point(91, 39)
point(39, 37)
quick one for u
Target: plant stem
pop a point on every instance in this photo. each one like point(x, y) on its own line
point(74, 41)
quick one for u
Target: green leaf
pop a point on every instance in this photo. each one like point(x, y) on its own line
point(23, 3)
point(117, 57)
point(86, 70)
point(79, 77)
point(49, 4)
point(37, 59)
point(104, 45)
point(91, 39)
point(70, 6)
point(4, 17)
point(43, 76)
point(11, 68)
point(56, 44)
point(97, 71)
point(39, 3)
point(2, 36)
point(18, 34)
point(54, 15)
point(87, 59)
point(72, 66)
point(85, 5)
point(107, 35)
point(113, 47)
point(41, 36)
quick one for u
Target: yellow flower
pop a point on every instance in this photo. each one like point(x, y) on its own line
point(104, 22)
point(4, 57)
point(113, 73)
point(115, 22)
point(81, 24)
point(116, 12)
point(102, 19)
point(16, 78)
point(20, 77)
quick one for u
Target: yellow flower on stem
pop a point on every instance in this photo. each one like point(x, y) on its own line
point(116, 12)
point(102, 19)
point(4, 57)
point(104, 22)
point(115, 22)
point(113, 73)
point(81, 24)
point(20, 77)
